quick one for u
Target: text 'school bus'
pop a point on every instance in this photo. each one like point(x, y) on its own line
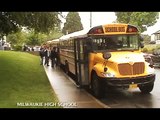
point(107, 55)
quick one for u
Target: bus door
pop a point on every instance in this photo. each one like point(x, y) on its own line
point(81, 62)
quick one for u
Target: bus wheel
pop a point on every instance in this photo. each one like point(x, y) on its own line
point(96, 86)
point(66, 67)
point(146, 88)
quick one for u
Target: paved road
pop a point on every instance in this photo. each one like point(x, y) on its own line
point(68, 92)
point(134, 98)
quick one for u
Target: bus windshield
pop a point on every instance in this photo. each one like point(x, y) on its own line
point(116, 42)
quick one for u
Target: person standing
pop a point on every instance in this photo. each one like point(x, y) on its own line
point(47, 55)
point(53, 56)
point(57, 56)
point(41, 53)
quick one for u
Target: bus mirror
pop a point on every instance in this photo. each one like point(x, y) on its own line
point(141, 38)
point(141, 44)
point(106, 55)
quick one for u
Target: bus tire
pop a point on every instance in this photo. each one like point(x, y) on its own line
point(96, 86)
point(146, 88)
point(66, 67)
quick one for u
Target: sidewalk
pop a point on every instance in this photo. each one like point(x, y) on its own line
point(67, 92)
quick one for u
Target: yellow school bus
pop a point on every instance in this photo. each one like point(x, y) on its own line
point(52, 43)
point(107, 56)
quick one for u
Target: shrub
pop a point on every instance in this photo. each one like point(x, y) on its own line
point(145, 50)
point(17, 47)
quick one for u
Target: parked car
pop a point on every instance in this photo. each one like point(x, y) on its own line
point(156, 58)
point(152, 42)
point(149, 58)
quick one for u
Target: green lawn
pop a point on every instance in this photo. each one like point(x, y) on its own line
point(23, 82)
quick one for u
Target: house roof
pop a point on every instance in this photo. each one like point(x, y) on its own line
point(158, 32)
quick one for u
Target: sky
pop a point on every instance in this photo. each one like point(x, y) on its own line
point(99, 18)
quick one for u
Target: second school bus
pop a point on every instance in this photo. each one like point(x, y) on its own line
point(107, 55)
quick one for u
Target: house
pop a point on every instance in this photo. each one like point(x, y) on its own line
point(1, 44)
point(156, 37)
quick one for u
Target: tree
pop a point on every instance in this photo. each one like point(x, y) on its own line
point(17, 38)
point(39, 21)
point(73, 23)
point(140, 19)
point(40, 38)
point(146, 38)
point(7, 25)
point(53, 35)
point(31, 37)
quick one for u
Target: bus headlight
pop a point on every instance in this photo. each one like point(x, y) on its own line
point(108, 74)
point(151, 71)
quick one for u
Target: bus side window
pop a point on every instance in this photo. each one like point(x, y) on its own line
point(95, 46)
point(89, 45)
point(119, 44)
point(111, 43)
point(103, 45)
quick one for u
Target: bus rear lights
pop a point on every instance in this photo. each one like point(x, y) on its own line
point(132, 29)
point(99, 31)
point(106, 55)
point(96, 30)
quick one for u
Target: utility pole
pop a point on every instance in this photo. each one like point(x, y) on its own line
point(90, 19)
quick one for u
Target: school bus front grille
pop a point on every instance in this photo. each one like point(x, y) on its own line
point(128, 69)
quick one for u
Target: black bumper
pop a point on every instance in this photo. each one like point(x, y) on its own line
point(125, 82)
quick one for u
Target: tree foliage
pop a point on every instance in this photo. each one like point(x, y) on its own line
point(17, 38)
point(140, 19)
point(73, 23)
point(31, 37)
point(35, 38)
point(146, 38)
point(7, 24)
point(39, 21)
